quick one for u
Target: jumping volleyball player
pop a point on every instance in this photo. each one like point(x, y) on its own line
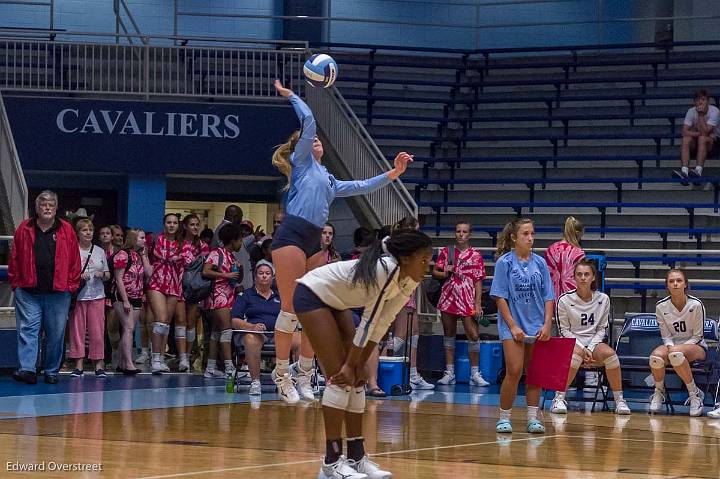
point(296, 245)
point(583, 314)
point(382, 284)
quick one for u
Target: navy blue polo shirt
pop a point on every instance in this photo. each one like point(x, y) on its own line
point(254, 308)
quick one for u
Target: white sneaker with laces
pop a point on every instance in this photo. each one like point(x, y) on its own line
point(304, 386)
point(158, 367)
point(715, 413)
point(366, 466)
point(559, 405)
point(320, 377)
point(213, 374)
point(477, 380)
point(229, 373)
point(696, 403)
point(621, 407)
point(142, 358)
point(657, 400)
point(184, 365)
point(255, 388)
point(419, 384)
point(339, 469)
point(286, 388)
point(447, 379)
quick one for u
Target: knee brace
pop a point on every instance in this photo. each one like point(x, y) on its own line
point(286, 322)
point(612, 362)
point(226, 336)
point(576, 361)
point(474, 346)
point(398, 345)
point(448, 343)
point(414, 340)
point(656, 362)
point(190, 336)
point(180, 332)
point(676, 359)
point(356, 403)
point(161, 328)
point(215, 336)
point(336, 397)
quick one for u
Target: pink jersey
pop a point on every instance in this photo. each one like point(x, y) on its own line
point(223, 293)
point(167, 267)
point(561, 258)
point(133, 276)
point(189, 252)
point(458, 293)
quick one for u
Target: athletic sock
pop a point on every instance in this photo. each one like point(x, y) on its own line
point(505, 413)
point(305, 364)
point(356, 448)
point(660, 385)
point(691, 387)
point(212, 364)
point(333, 450)
point(685, 170)
point(474, 370)
point(229, 366)
point(532, 412)
point(698, 170)
point(282, 366)
point(618, 395)
point(450, 368)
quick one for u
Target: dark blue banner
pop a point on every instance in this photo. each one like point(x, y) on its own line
point(148, 137)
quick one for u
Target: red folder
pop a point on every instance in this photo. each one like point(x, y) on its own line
point(550, 363)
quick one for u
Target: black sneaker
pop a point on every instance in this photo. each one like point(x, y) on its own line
point(100, 373)
point(693, 174)
point(51, 378)
point(682, 176)
point(25, 377)
point(76, 373)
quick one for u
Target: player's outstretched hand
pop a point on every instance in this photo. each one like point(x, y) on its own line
point(286, 92)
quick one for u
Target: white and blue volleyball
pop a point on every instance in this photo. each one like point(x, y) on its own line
point(320, 70)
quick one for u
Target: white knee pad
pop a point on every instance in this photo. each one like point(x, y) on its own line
point(656, 362)
point(414, 340)
point(474, 346)
point(215, 336)
point(190, 336)
point(161, 328)
point(398, 345)
point(336, 397)
point(286, 322)
point(448, 343)
point(226, 336)
point(576, 361)
point(612, 362)
point(676, 359)
point(180, 332)
point(356, 404)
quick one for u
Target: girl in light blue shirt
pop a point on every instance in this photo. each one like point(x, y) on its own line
point(296, 243)
point(524, 294)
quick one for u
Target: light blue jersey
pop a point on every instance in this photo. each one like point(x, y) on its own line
point(526, 285)
point(312, 188)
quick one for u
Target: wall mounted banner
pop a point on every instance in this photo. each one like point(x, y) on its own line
point(148, 137)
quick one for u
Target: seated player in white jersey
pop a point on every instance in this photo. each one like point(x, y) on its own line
point(681, 319)
point(382, 284)
point(584, 314)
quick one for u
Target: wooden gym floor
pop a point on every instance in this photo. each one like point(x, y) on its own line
point(187, 427)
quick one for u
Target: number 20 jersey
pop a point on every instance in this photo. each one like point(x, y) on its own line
point(681, 327)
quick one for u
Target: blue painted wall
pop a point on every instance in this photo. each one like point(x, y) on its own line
point(156, 17)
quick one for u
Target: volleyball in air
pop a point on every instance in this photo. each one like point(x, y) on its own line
point(320, 70)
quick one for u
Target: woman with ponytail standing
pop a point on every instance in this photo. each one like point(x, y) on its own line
point(296, 244)
point(381, 284)
point(562, 256)
point(524, 295)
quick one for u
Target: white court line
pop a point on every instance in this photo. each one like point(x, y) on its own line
point(260, 466)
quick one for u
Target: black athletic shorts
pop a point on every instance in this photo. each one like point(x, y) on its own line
point(295, 231)
point(305, 300)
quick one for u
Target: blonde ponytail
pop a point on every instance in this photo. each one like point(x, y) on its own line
point(573, 231)
point(281, 157)
point(505, 241)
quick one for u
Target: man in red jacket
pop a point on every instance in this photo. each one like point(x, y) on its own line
point(44, 270)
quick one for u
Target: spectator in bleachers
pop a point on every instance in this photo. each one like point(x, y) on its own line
point(461, 298)
point(44, 269)
point(699, 134)
point(408, 316)
point(221, 266)
point(523, 291)
point(131, 269)
point(362, 238)
point(681, 319)
point(88, 315)
point(186, 315)
point(256, 309)
point(164, 288)
point(326, 243)
point(583, 314)
point(562, 256)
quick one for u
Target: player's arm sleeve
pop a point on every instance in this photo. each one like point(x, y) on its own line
point(303, 148)
point(361, 187)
